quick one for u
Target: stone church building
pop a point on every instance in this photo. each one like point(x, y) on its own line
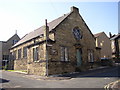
point(64, 45)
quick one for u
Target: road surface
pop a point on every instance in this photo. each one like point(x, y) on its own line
point(90, 79)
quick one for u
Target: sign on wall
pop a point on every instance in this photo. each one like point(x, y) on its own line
point(53, 52)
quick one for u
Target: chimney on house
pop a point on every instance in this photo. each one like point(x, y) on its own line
point(74, 9)
point(110, 34)
point(15, 31)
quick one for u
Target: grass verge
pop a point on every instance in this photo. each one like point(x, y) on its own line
point(17, 70)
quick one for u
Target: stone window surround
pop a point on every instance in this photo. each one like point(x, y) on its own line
point(14, 54)
point(113, 46)
point(14, 42)
point(20, 53)
point(5, 57)
point(36, 53)
point(77, 35)
point(90, 52)
point(65, 53)
point(25, 52)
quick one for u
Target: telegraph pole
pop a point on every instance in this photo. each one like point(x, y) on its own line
point(47, 37)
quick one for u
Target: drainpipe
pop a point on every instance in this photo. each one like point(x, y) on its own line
point(47, 37)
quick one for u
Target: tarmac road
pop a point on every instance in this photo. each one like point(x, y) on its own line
point(89, 79)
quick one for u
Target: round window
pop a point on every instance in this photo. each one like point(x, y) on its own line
point(77, 33)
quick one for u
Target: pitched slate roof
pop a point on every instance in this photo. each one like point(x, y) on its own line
point(116, 36)
point(98, 34)
point(12, 37)
point(52, 25)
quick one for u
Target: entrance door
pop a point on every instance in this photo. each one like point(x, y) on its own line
point(79, 57)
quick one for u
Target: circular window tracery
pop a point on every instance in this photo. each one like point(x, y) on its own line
point(77, 33)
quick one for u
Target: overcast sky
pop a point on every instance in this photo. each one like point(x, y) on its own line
point(28, 15)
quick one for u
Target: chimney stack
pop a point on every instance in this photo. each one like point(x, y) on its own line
point(110, 34)
point(74, 9)
point(15, 31)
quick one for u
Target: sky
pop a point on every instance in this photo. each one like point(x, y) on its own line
point(27, 15)
point(119, 17)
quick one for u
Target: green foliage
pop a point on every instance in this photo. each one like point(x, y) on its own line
point(17, 70)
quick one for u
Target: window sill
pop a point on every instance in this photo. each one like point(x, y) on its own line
point(19, 59)
point(24, 57)
point(37, 61)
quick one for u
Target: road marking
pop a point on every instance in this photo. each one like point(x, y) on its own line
point(106, 87)
point(115, 83)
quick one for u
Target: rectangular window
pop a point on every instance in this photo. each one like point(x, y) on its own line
point(35, 54)
point(14, 41)
point(19, 53)
point(10, 56)
point(90, 56)
point(5, 57)
point(113, 46)
point(14, 55)
point(25, 52)
point(64, 54)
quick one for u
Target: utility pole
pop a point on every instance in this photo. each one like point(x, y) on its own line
point(47, 37)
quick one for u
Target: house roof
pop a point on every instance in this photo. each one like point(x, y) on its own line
point(116, 36)
point(52, 25)
point(10, 38)
point(101, 33)
point(98, 34)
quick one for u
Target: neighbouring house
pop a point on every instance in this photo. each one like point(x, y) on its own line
point(63, 45)
point(5, 49)
point(115, 45)
point(103, 42)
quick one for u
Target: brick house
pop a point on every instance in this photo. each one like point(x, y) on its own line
point(64, 45)
point(5, 49)
point(103, 42)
